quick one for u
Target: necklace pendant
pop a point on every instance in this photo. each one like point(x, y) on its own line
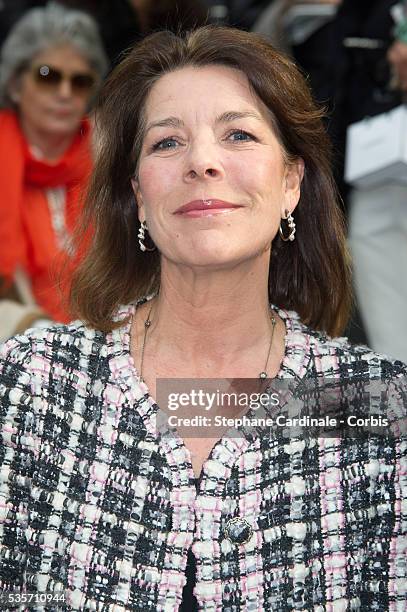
point(263, 375)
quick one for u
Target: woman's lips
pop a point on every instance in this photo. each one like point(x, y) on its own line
point(206, 208)
point(61, 112)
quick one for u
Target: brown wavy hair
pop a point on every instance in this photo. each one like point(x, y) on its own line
point(310, 275)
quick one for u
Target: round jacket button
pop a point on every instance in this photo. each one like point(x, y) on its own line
point(238, 530)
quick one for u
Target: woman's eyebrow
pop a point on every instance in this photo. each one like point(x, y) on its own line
point(174, 122)
point(225, 117)
point(232, 115)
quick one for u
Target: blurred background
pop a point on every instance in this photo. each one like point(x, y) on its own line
point(54, 57)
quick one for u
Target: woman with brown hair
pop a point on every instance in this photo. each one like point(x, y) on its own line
point(212, 217)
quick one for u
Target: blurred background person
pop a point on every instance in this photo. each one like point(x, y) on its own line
point(378, 215)
point(51, 65)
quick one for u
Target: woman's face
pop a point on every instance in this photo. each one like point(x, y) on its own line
point(212, 180)
point(49, 107)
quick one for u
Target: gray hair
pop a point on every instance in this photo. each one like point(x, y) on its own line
point(42, 28)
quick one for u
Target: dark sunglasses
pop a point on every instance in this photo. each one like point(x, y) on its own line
point(81, 82)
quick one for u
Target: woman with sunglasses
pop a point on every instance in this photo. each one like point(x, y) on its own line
point(51, 65)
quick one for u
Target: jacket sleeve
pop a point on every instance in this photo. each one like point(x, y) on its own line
point(398, 545)
point(384, 575)
point(16, 459)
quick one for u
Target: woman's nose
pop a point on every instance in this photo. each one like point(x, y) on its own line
point(65, 88)
point(202, 173)
point(203, 163)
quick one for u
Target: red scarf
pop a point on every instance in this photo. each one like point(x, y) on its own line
point(27, 238)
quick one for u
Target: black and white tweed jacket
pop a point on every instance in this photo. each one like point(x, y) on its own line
point(95, 504)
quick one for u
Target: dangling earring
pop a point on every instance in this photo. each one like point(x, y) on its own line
point(291, 225)
point(141, 237)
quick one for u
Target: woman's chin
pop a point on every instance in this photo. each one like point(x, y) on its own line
point(62, 126)
point(220, 258)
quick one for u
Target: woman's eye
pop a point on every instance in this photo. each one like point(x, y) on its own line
point(165, 145)
point(240, 136)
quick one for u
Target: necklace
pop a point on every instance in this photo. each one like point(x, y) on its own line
point(147, 323)
point(264, 374)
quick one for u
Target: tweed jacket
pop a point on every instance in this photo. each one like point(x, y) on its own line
point(96, 504)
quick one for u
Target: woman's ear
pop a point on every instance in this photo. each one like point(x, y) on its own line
point(294, 175)
point(139, 198)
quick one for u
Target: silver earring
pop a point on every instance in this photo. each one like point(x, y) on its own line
point(291, 225)
point(141, 237)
